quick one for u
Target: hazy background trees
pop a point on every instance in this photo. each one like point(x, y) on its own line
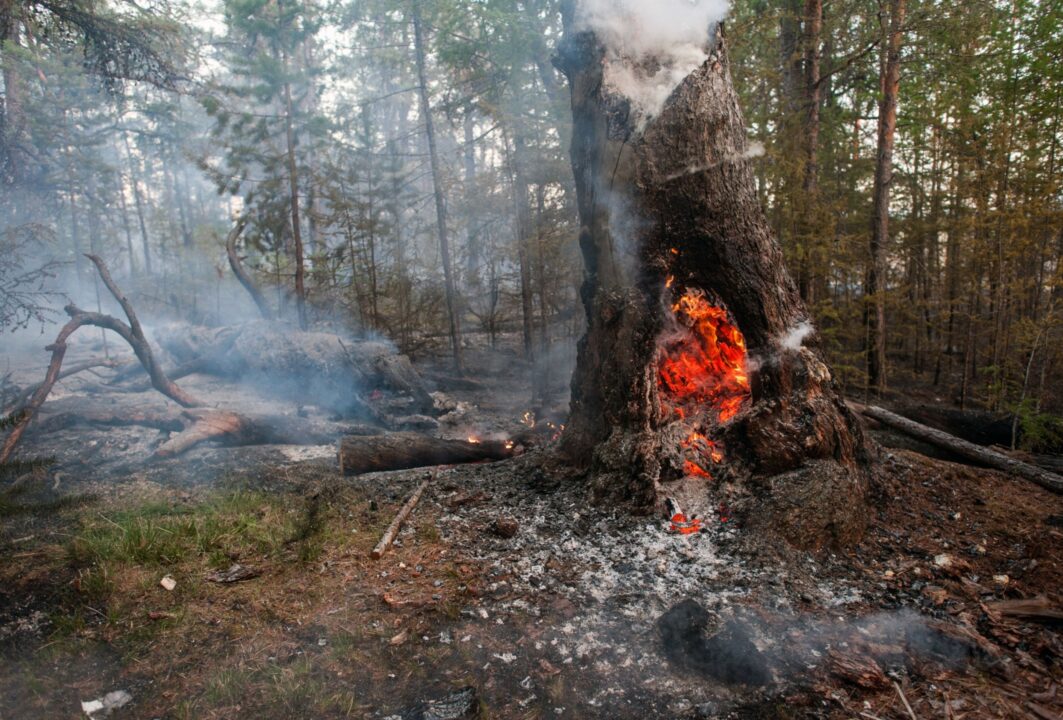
point(143, 132)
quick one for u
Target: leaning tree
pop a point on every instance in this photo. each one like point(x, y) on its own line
point(699, 369)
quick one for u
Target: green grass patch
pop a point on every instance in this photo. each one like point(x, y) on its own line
point(157, 535)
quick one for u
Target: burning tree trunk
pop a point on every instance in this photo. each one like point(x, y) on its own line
point(694, 353)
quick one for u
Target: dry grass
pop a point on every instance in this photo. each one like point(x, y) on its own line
point(308, 637)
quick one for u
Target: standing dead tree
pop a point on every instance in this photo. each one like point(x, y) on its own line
point(132, 333)
point(668, 205)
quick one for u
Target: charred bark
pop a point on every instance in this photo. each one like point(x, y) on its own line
point(678, 198)
point(400, 451)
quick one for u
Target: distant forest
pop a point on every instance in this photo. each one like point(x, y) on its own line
point(402, 168)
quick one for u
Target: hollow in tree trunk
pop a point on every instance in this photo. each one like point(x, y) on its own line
point(677, 250)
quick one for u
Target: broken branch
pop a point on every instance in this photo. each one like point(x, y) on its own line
point(131, 333)
point(400, 518)
point(21, 400)
point(241, 274)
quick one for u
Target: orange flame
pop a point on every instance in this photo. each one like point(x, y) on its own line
point(704, 367)
point(702, 374)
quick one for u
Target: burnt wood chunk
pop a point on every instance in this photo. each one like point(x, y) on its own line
point(401, 451)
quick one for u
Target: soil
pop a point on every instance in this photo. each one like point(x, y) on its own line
point(580, 612)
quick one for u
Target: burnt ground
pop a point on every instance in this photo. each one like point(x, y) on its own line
point(586, 612)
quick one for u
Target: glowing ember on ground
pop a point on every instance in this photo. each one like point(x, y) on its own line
point(702, 374)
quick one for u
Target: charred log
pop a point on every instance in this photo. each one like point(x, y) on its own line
point(966, 450)
point(235, 429)
point(316, 367)
point(401, 451)
point(676, 201)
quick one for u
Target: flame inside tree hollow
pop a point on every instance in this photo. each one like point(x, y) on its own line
point(702, 377)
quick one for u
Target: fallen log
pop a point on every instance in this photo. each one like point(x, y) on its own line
point(237, 430)
point(400, 518)
point(169, 421)
point(401, 451)
point(1038, 608)
point(962, 448)
point(318, 367)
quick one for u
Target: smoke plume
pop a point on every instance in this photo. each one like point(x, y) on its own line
point(651, 44)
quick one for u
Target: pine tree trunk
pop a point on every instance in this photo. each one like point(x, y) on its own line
point(437, 186)
point(810, 183)
point(14, 158)
point(522, 213)
point(875, 288)
point(138, 203)
point(297, 232)
point(679, 199)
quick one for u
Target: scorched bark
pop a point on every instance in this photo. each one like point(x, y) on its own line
point(677, 198)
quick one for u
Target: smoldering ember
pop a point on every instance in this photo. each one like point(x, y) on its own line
point(626, 359)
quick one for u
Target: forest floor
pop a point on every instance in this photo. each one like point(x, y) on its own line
point(584, 612)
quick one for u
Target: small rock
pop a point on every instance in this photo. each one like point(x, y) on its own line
point(168, 583)
point(235, 573)
point(505, 527)
point(107, 704)
point(399, 639)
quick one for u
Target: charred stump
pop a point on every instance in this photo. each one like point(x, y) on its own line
point(677, 249)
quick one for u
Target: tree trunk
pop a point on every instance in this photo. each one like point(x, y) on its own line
point(134, 180)
point(875, 288)
point(678, 201)
point(810, 184)
point(297, 233)
point(14, 155)
point(523, 217)
point(437, 186)
point(241, 274)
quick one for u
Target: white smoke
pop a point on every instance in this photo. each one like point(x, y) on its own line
point(795, 336)
point(754, 150)
point(651, 45)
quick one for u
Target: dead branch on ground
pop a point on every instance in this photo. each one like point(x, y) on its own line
point(400, 518)
point(20, 401)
